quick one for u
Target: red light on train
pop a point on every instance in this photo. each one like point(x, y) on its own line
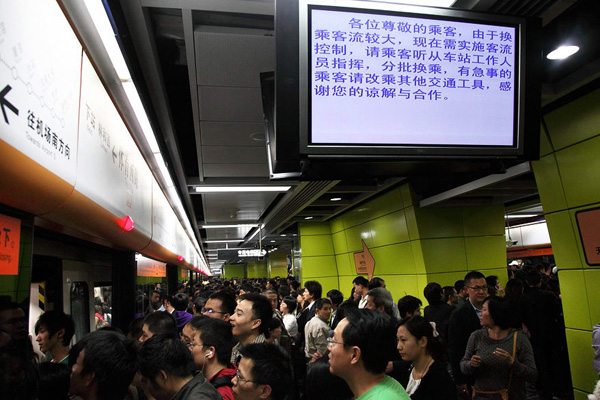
point(126, 223)
point(179, 258)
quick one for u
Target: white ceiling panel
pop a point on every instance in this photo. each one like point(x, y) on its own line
point(226, 133)
point(230, 104)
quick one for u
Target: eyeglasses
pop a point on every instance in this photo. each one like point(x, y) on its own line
point(191, 345)
point(331, 342)
point(211, 311)
point(240, 379)
point(483, 288)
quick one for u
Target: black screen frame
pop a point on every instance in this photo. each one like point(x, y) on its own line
point(292, 79)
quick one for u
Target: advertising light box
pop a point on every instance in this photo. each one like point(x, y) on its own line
point(384, 79)
point(40, 63)
point(111, 170)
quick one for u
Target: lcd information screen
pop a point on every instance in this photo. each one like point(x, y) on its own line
point(380, 78)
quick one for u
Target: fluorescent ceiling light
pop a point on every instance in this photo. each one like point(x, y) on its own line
point(335, 199)
point(272, 241)
point(228, 189)
point(107, 35)
point(308, 217)
point(229, 226)
point(521, 215)
point(562, 52)
point(224, 241)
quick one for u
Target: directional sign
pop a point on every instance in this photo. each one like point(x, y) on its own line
point(364, 262)
point(10, 238)
point(5, 103)
point(241, 253)
point(588, 222)
point(40, 64)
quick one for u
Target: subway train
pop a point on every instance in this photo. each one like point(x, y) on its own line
point(324, 139)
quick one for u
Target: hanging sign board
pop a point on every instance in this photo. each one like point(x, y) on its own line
point(10, 236)
point(149, 267)
point(588, 222)
point(241, 253)
point(39, 84)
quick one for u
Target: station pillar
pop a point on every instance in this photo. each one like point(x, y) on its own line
point(568, 180)
point(411, 246)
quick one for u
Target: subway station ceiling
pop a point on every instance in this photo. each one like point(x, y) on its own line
point(198, 64)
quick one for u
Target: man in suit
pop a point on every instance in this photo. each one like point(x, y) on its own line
point(312, 293)
point(464, 321)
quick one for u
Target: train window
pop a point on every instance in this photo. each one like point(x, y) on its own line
point(103, 304)
point(80, 309)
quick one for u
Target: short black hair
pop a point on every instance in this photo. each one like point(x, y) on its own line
point(448, 291)
point(434, 293)
point(314, 288)
point(216, 333)
point(501, 311)
point(321, 384)
point(227, 301)
point(335, 296)
point(54, 381)
point(361, 280)
point(54, 321)
point(459, 285)
point(261, 309)
point(408, 304)
point(373, 332)
point(179, 301)
point(283, 291)
point(271, 366)
point(112, 359)
point(160, 322)
point(291, 303)
point(473, 275)
point(321, 302)
point(533, 278)
point(376, 282)
point(165, 352)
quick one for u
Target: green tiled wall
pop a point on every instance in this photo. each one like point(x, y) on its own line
point(411, 246)
point(568, 180)
point(277, 263)
point(257, 269)
point(235, 271)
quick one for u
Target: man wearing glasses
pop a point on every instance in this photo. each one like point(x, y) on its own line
point(264, 373)
point(359, 352)
point(220, 305)
point(463, 322)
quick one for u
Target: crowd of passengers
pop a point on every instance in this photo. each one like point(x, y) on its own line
point(273, 339)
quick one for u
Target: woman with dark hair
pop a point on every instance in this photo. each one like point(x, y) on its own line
point(500, 357)
point(427, 377)
point(287, 307)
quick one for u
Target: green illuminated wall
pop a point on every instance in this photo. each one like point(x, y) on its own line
point(257, 269)
point(234, 271)
point(411, 246)
point(277, 263)
point(568, 180)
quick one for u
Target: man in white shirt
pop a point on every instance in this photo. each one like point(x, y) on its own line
point(316, 330)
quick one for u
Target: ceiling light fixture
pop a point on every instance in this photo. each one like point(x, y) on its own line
point(521, 215)
point(335, 199)
point(228, 226)
point(562, 52)
point(229, 189)
point(224, 241)
point(272, 241)
point(308, 217)
point(283, 235)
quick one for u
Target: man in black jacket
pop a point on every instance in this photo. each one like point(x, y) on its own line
point(464, 321)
